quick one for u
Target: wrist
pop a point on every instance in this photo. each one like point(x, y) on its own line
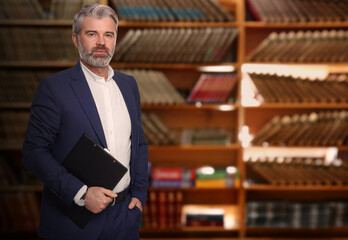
point(82, 201)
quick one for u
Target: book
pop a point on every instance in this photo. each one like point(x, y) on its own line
point(213, 88)
point(163, 209)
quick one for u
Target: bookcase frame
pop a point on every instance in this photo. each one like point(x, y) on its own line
point(249, 35)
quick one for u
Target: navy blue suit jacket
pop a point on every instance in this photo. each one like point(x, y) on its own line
point(63, 109)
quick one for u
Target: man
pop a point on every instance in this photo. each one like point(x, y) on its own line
point(89, 98)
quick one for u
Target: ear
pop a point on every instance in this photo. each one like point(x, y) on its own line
point(74, 39)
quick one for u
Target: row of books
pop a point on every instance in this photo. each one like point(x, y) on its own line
point(202, 177)
point(12, 173)
point(327, 128)
point(297, 214)
point(20, 212)
point(207, 136)
point(156, 132)
point(155, 87)
point(296, 171)
point(36, 44)
point(32, 9)
point(272, 88)
point(12, 128)
point(300, 46)
point(171, 10)
point(298, 10)
point(19, 85)
point(176, 45)
point(213, 88)
point(163, 210)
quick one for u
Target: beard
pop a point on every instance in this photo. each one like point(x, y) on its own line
point(95, 61)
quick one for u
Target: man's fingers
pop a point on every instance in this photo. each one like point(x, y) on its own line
point(109, 193)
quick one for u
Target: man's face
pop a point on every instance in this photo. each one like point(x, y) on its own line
point(96, 41)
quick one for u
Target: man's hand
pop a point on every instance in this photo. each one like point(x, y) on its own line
point(135, 202)
point(98, 198)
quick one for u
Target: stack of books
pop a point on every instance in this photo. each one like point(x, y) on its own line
point(213, 88)
point(176, 45)
point(296, 214)
point(154, 87)
point(298, 10)
point(36, 44)
point(271, 88)
point(217, 178)
point(172, 177)
point(163, 209)
point(298, 47)
point(314, 129)
point(171, 10)
point(204, 217)
point(156, 132)
point(296, 171)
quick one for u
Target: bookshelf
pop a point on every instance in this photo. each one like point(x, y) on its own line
point(233, 116)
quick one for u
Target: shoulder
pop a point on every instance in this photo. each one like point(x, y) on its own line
point(59, 78)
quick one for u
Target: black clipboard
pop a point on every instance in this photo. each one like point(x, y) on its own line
point(94, 166)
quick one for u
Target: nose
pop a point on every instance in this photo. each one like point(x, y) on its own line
point(101, 40)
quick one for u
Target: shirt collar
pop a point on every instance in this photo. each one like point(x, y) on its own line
point(90, 75)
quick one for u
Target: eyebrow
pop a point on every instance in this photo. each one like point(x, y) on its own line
point(94, 31)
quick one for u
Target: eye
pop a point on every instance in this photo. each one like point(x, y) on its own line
point(91, 34)
point(109, 35)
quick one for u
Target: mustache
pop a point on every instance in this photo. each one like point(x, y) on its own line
point(102, 48)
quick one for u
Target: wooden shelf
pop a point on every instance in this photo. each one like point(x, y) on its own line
point(130, 24)
point(300, 25)
point(35, 23)
point(21, 188)
point(264, 187)
point(116, 65)
point(202, 232)
point(15, 106)
point(294, 232)
point(198, 106)
point(299, 106)
point(174, 66)
point(193, 156)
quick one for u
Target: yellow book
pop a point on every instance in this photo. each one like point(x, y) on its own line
point(211, 183)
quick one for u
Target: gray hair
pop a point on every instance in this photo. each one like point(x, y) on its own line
point(94, 10)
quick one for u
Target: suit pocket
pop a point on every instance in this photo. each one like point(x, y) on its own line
point(133, 223)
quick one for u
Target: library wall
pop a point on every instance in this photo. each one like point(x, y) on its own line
point(244, 106)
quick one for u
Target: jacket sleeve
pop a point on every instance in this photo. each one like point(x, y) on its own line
point(39, 144)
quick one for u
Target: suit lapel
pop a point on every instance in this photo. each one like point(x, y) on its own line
point(84, 95)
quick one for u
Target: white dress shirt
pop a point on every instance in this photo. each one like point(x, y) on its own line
point(115, 120)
